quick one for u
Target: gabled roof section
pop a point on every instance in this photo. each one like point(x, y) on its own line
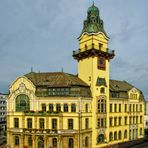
point(55, 79)
point(116, 85)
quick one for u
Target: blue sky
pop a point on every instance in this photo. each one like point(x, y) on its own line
point(43, 33)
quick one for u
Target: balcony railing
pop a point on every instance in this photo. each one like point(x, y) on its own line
point(41, 113)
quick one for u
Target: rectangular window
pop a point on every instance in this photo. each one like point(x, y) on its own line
point(133, 107)
point(125, 108)
point(140, 119)
point(125, 120)
point(99, 123)
point(111, 108)
point(140, 131)
point(54, 123)
point(44, 107)
point(41, 122)
point(111, 122)
point(70, 123)
point(136, 107)
point(137, 119)
point(130, 108)
point(140, 107)
point(115, 109)
point(119, 120)
point(130, 120)
point(16, 122)
point(115, 121)
point(119, 107)
point(86, 123)
point(29, 123)
point(102, 122)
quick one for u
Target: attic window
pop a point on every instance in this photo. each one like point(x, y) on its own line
point(58, 91)
point(116, 86)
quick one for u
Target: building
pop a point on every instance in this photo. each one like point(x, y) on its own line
point(146, 116)
point(87, 110)
point(3, 98)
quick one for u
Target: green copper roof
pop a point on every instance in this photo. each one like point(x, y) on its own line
point(93, 23)
point(93, 9)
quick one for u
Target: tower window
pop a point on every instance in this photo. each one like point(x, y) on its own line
point(102, 90)
point(100, 46)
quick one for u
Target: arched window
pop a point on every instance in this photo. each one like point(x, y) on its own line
point(119, 135)
point(51, 108)
point(86, 141)
point(110, 136)
point(100, 138)
point(22, 103)
point(58, 107)
point(115, 135)
point(16, 140)
point(70, 143)
point(65, 107)
point(30, 141)
point(73, 107)
point(54, 142)
point(125, 134)
point(102, 90)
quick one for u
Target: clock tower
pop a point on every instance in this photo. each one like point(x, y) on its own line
point(93, 58)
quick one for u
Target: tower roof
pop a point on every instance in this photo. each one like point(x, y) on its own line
point(93, 23)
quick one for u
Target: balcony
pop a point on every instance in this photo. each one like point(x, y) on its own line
point(93, 49)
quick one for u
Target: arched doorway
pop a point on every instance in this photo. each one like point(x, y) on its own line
point(100, 138)
point(40, 142)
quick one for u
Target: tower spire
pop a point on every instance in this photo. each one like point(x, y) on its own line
point(93, 3)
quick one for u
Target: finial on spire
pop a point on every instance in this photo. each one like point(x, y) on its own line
point(93, 3)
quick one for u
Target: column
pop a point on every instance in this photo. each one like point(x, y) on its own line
point(33, 141)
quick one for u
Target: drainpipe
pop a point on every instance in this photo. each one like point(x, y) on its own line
point(79, 118)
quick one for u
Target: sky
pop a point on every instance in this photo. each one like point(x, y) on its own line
point(43, 33)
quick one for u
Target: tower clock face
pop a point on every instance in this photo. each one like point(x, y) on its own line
point(101, 63)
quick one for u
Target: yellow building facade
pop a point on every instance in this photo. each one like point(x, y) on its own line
point(87, 110)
